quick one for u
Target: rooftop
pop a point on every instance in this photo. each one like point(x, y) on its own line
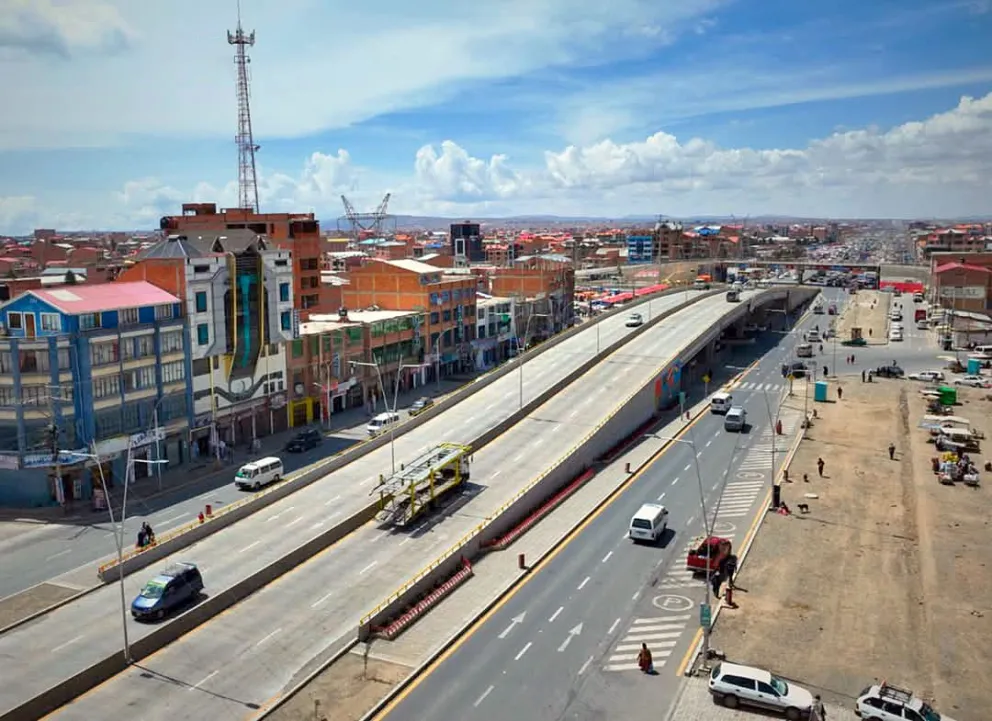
point(77, 299)
point(414, 266)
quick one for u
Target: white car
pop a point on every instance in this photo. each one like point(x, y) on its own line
point(634, 320)
point(734, 685)
point(895, 337)
point(973, 381)
point(927, 376)
point(883, 702)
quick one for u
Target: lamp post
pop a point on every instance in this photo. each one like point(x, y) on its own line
point(520, 358)
point(385, 400)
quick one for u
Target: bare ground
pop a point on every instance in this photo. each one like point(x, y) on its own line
point(868, 310)
point(345, 691)
point(37, 598)
point(886, 577)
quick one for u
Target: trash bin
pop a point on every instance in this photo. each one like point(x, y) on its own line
point(948, 395)
point(820, 391)
point(974, 366)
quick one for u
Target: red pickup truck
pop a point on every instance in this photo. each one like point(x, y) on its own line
point(708, 554)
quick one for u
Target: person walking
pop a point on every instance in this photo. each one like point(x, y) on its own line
point(862, 376)
point(817, 712)
point(840, 393)
point(819, 466)
point(645, 660)
point(892, 451)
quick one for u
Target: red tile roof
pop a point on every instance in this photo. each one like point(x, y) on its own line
point(75, 299)
point(961, 266)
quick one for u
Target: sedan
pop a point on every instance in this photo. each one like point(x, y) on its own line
point(421, 405)
point(927, 376)
point(634, 320)
point(973, 381)
point(304, 441)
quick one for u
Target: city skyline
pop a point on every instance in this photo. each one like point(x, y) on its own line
point(691, 109)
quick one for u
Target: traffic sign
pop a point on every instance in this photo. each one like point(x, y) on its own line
point(705, 615)
point(706, 378)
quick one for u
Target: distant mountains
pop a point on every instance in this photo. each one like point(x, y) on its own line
point(417, 222)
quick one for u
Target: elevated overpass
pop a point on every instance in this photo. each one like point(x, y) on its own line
point(253, 651)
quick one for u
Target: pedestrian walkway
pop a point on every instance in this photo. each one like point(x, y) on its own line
point(762, 387)
point(660, 633)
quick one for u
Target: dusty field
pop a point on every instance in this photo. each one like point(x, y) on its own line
point(886, 577)
point(868, 310)
point(345, 692)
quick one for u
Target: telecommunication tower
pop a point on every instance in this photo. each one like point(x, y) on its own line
point(366, 224)
point(247, 184)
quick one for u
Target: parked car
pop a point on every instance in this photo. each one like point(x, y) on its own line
point(420, 405)
point(889, 372)
point(973, 381)
point(884, 702)
point(176, 586)
point(927, 376)
point(797, 369)
point(304, 441)
point(634, 320)
point(735, 685)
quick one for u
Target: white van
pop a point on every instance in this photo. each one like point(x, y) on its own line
point(381, 423)
point(813, 336)
point(254, 475)
point(721, 402)
point(735, 419)
point(804, 350)
point(649, 523)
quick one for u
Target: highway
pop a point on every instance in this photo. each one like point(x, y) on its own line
point(252, 652)
point(62, 642)
point(586, 611)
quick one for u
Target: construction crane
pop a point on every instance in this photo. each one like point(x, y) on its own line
point(368, 225)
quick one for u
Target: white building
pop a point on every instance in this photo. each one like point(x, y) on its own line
point(495, 330)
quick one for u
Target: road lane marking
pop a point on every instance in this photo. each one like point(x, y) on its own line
point(60, 553)
point(294, 521)
point(495, 473)
point(573, 414)
point(583, 584)
point(67, 643)
point(267, 637)
point(176, 518)
point(321, 600)
point(555, 614)
point(517, 457)
point(687, 466)
point(336, 498)
point(483, 697)
point(607, 557)
point(317, 525)
point(249, 547)
point(406, 540)
point(708, 442)
point(676, 479)
point(635, 596)
point(203, 680)
point(661, 497)
point(585, 666)
point(522, 652)
point(368, 568)
point(691, 519)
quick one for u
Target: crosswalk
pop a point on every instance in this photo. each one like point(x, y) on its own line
point(681, 577)
point(660, 633)
point(761, 387)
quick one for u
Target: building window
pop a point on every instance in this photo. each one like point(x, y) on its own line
point(201, 301)
point(435, 318)
point(297, 348)
point(139, 379)
point(202, 334)
point(173, 372)
point(128, 316)
point(7, 397)
point(146, 346)
point(284, 292)
point(106, 386)
point(34, 395)
point(51, 322)
point(89, 321)
point(446, 316)
point(163, 312)
point(286, 320)
point(482, 331)
point(29, 361)
point(6, 362)
point(15, 321)
point(309, 264)
point(127, 348)
point(172, 342)
point(65, 360)
point(104, 353)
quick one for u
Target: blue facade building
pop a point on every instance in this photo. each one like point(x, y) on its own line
point(640, 248)
point(95, 370)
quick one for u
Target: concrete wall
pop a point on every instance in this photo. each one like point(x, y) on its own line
point(267, 498)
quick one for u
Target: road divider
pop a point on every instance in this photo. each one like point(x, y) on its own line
point(188, 534)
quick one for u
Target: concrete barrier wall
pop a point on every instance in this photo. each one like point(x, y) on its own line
point(165, 634)
point(195, 531)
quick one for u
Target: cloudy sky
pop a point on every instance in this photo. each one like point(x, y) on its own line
point(115, 112)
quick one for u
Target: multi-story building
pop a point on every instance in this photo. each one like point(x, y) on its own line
point(237, 290)
point(446, 302)
point(466, 242)
point(297, 232)
point(96, 369)
point(543, 286)
point(495, 331)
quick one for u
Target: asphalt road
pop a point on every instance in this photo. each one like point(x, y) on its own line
point(565, 645)
point(42, 554)
point(252, 652)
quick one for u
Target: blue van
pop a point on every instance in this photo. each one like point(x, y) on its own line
point(176, 586)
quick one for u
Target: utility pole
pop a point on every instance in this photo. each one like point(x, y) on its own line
point(53, 439)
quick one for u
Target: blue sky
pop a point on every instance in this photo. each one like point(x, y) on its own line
point(116, 112)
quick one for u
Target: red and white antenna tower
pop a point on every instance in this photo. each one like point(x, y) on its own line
point(247, 184)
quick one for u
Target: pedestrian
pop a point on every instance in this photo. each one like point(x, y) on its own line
point(141, 538)
point(644, 659)
point(853, 359)
point(824, 371)
point(819, 466)
point(840, 393)
point(817, 712)
point(862, 375)
point(805, 478)
point(869, 332)
point(892, 451)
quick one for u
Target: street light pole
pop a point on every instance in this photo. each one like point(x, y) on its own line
point(520, 359)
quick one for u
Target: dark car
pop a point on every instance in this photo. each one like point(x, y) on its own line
point(797, 369)
point(176, 586)
point(421, 405)
point(304, 441)
point(889, 372)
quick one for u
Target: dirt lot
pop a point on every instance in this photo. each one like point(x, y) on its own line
point(345, 692)
point(888, 576)
point(868, 310)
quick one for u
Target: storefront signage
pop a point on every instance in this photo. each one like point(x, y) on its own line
point(45, 460)
point(9, 463)
point(120, 444)
point(963, 293)
point(277, 401)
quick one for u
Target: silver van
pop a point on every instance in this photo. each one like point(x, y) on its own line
point(721, 402)
point(382, 423)
point(735, 419)
point(254, 475)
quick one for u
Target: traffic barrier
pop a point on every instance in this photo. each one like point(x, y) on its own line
point(182, 536)
point(84, 680)
point(395, 628)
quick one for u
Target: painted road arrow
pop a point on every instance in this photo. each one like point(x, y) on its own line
point(568, 639)
point(513, 622)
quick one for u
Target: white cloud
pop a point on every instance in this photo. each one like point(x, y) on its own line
point(939, 166)
point(316, 65)
point(64, 29)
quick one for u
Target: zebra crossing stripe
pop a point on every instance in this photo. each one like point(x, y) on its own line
point(663, 619)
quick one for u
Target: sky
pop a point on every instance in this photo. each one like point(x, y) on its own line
point(116, 112)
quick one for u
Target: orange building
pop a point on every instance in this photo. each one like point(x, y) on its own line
point(297, 232)
point(446, 304)
point(548, 284)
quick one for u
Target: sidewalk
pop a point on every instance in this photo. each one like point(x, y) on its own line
point(203, 474)
point(696, 704)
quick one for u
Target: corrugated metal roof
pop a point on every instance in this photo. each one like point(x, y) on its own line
point(77, 299)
